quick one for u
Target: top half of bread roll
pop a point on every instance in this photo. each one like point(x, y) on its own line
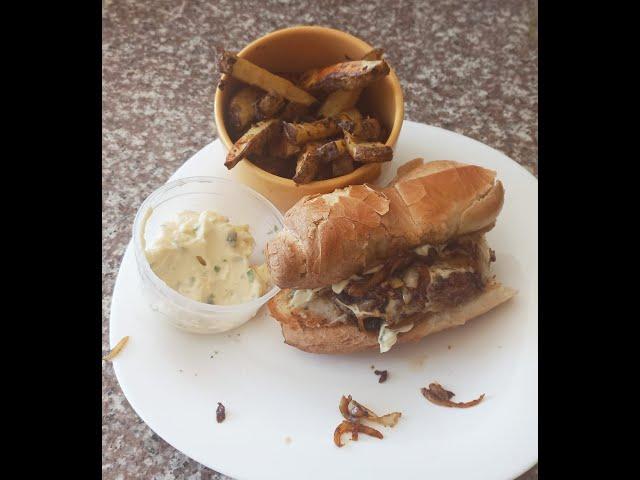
point(328, 238)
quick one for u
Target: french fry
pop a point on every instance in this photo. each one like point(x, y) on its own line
point(349, 120)
point(368, 129)
point(247, 72)
point(341, 100)
point(342, 165)
point(367, 152)
point(242, 109)
point(281, 147)
point(344, 76)
point(301, 133)
point(332, 151)
point(307, 164)
point(252, 141)
point(270, 104)
point(293, 112)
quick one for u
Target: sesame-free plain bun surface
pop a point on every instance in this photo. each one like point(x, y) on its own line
point(282, 404)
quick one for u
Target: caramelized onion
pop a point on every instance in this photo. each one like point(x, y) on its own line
point(353, 411)
point(354, 429)
point(344, 407)
point(438, 395)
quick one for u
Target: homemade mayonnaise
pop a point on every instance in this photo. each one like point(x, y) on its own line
point(205, 258)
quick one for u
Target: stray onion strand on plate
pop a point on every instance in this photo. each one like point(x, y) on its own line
point(116, 350)
point(438, 395)
point(354, 429)
point(354, 413)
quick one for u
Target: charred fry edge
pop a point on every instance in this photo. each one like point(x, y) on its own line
point(368, 130)
point(344, 75)
point(281, 147)
point(368, 152)
point(307, 165)
point(331, 151)
point(341, 100)
point(253, 140)
point(301, 133)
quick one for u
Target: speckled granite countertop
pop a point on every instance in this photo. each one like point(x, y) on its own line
point(468, 66)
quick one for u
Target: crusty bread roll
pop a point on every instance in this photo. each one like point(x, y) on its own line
point(327, 238)
point(308, 334)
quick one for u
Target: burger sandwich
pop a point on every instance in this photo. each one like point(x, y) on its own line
point(363, 267)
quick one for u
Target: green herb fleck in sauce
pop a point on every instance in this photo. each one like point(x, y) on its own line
point(217, 268)
point(232, 238)
point(210, 299)
point(250, 275)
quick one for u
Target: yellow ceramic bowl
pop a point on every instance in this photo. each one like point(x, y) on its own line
point(297, 49)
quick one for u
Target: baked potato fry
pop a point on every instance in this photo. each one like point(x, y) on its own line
point(344, 76)
point(349, 120)
point(293, 112)
point(281, 147)
point(307, 164)
point(367, 152)
point(270, 104)
point(247, 72)
point(253, 141)
point(368, 130)
point(341, 100)
point(332, 151)
point(301, 133)
point(242, 108)
point(342, 165)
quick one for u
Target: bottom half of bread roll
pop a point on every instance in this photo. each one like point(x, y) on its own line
point(412, 295)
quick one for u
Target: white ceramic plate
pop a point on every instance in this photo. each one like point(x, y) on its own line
point(282, 404)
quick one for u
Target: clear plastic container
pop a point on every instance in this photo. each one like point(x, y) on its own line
point(225, 197)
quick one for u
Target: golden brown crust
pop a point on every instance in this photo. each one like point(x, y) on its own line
point(344, 76)
point(330, 237)
point(305, 333)
point(252, 141)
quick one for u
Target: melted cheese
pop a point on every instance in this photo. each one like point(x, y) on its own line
point(300, 298)
point(387, 337)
